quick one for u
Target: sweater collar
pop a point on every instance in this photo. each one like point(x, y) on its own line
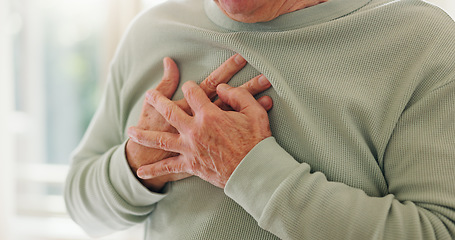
point(320, 13)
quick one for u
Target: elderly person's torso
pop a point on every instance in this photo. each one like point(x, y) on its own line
point(351, 81)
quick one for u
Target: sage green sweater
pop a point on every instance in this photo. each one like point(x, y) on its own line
point(363, 126)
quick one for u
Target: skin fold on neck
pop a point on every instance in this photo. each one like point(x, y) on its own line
point(253, 11)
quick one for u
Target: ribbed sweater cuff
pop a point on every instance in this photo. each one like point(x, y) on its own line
point(126, 184)
point(258, 176)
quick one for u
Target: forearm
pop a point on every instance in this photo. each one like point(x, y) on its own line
point(287, 199)
point(103, 195)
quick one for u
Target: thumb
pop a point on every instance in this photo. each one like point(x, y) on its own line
point(170, 80)
point(238, 98)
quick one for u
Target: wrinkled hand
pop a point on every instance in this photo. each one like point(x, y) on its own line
point(211, 141)
point(139, 155)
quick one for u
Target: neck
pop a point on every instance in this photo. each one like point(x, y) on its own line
point(263, 12)
point(298, 5)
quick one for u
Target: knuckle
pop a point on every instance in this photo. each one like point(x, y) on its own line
point(151, 95)
point(210, 83)
point(150, 92)
point(162, 143)
point(263, 114)
point(262, 117)
point(180, 167)
point(207, 116)
point(194, 165)
point(195, 95)
point(167, 168)
point(168, 114)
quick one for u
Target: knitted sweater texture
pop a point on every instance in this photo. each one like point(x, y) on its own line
point(363, 126)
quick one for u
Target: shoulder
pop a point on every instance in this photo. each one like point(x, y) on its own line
point(409, 21)
point(163, 20)
point(420, 33)
point(419, 11)
point(153, 26)
point(170, 11)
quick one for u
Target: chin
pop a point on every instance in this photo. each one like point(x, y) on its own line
point(247, 11)
point(238, 7)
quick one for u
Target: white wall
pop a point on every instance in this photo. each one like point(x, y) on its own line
point(447, 5)
point(121, 13)
point(6, 108)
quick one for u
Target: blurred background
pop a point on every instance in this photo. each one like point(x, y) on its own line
point(54, 56)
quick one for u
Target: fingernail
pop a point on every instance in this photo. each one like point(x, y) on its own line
point(239, 59)
point(140, 173)
point(263, 81)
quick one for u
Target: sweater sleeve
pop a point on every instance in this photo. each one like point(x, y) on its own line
point(102, 194)
point(292, 202)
